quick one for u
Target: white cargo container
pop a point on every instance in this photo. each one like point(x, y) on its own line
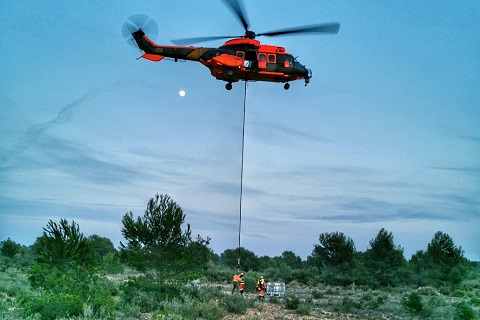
point(276, 289)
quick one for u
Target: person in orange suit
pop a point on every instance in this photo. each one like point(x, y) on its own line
point(236, 282)
point(241, 285)
point(261, 287)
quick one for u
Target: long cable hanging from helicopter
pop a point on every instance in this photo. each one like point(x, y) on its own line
point(241, 176)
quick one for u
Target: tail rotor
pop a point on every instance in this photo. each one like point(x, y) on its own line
point(139, 22)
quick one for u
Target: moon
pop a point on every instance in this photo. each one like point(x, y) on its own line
point(181, 93)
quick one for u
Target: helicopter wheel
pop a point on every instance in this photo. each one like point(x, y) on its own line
point(228, 86)
point(286, 86)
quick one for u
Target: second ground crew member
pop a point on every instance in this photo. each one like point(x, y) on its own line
point(261, 287)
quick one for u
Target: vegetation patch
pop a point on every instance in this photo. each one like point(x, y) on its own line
point(160, 272)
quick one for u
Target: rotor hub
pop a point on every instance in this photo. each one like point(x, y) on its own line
point(249, 34)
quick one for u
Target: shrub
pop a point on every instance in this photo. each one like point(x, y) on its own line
point(436, 301)
point(189, 310)
point(54, 306)
point(375, 302)
point(235, 304)
point(208, 293)
point(304, 309)
point(292, 303)
point(413, 303)
point(211, 311)
point(463, 311)
point(475, 301)
point(349, 304)
point(112, 264)
point(3, 306)
point(274, 300)
point(317, 294)
point(147, 295)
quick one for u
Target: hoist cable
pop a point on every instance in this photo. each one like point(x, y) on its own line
point(241, 170)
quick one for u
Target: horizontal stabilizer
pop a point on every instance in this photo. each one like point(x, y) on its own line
point(152, 57)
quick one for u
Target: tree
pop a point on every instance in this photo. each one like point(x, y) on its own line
point(335, 258)
point(10, 248)
point(442, 250)
point(101, 246)
point(335, 249)
point(63, 244)
point(446, 260)
point(292, 260)
point(64, 268)
point(248, 259)
point(384, 262)
point(106, 254)
point(442, 262)
point(156, 242)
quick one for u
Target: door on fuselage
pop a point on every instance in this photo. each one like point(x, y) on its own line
point(267, 61)
point(271, 62)
point(262, 60)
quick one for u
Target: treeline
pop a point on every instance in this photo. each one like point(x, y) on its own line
point(335, 261)
point(66, 271)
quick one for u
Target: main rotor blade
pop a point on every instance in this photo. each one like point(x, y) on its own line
point(182, 42)
point(237, 8)
point(327, 28)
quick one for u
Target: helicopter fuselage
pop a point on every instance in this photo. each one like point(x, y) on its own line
point(237, 59)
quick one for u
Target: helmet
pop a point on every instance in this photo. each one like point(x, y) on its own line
point(241, 273)
point(261, 277)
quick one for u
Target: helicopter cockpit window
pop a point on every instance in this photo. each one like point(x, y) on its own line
point(297, 64)
point(241, 55)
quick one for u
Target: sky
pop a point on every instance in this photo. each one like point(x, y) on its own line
point(386, 134)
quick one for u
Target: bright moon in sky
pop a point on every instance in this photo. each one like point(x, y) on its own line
point(181, 93)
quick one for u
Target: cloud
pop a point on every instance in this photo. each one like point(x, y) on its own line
point(464, 169)
point(275, 133)
point(63, 116)
point(83, 162)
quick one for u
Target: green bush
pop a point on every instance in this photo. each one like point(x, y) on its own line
point(73, 284)
point(207, 293)
point(317, 294)
point(304, 309)
point(3, 306)
point(475, 301)
point(112, 264)
point(292, 303)
point(436, 301)
point(463, 311)
point(413, 303)
point(54, 306)
point(189, 310)
point(236, 304)
point(274, 300)
point(211, 311)
point(349, 304)
point(374, 302)
point(148, 293)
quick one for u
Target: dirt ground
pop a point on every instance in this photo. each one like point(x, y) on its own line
point(269, 311)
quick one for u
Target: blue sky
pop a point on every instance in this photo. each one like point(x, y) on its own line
point(385, 136)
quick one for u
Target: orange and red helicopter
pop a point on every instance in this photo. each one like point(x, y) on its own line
point(241, 58)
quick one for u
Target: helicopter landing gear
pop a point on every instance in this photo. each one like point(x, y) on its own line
point(228, 86)
point(286, 86)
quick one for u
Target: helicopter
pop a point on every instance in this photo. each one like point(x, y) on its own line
point(239, 58)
